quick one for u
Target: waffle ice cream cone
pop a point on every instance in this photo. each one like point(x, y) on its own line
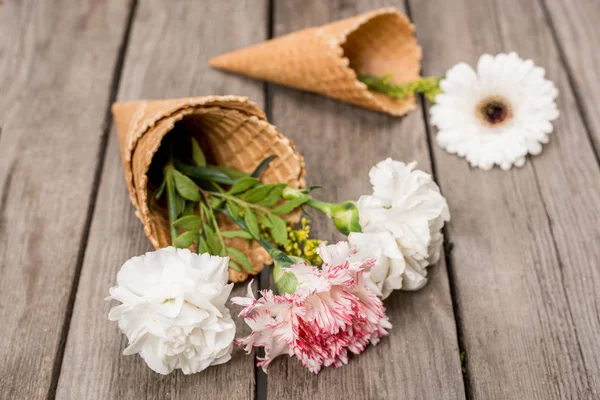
point(326, 59)
point(233, 132)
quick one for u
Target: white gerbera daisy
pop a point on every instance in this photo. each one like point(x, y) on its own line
point(497, 114)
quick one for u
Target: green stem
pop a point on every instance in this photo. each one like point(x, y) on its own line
point(240, 201)
point(213, 220)
point(321, 206)
point(273, 251)
point(428, 86)
point(280, 260)
point(171, 196)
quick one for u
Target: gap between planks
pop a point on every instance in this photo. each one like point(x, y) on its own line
point(260, 377)
point(447, 245)
point(113, 89)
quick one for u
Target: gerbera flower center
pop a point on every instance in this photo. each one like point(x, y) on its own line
point(494, 111)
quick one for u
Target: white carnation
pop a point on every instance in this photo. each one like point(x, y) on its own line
point(173, 309)
point(401, 223)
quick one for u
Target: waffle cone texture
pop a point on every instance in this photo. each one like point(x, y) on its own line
point(326, 59)
point(237, 135)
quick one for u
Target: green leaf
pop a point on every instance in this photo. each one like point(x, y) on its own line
point(186, 187)
point(232, 208)
point(179, 204)
point(262, 166)
point(186, 239)
point(236, 234)
point(159, 191)
point(212, 240)
point(204, 173)
point(242, 185)
point(240, 258)
point(279, 230)
point(234, 266)
point(265, 221)
point(189, 223)
point(216, 203)
point(198, 154)
point(257, 194)
point(190, 208)
point(151, 204)
point(231, 172)
point(289, 206)
point(203, 246)
point(273, 197)
point(251, 222)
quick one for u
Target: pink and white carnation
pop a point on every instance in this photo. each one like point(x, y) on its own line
point(332, 312)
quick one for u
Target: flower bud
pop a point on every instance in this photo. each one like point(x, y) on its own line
point(344, 215)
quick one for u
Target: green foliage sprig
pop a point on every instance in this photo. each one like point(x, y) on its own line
point(197, 192)
point(428, 86)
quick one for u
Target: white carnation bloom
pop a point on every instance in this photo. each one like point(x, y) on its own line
point(173, 309)
point(401, 223)
point(497, 114)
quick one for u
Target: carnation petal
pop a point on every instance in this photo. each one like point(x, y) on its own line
point(173, 314)
point(318, 327)
point(401, 222)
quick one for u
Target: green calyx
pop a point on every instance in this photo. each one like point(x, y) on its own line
point(285, 280)
point(344, 215)
point(428, 86)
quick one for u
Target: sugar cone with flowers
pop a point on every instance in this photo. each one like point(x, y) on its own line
point(233, 132)
point(327, 59)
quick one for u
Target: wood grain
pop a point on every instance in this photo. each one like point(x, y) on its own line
point(167, 56)
point(54, 93)
point(575, 25)
point(420, 358)
point(525, 252)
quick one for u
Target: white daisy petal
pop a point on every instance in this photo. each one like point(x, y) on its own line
point(496, 115)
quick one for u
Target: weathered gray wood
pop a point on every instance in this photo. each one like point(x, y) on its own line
point(420, 358)
point(525, 259)
point(54, 91)
point(167, 56)
point(576, 27)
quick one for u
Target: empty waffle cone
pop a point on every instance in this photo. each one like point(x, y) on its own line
point(326, 59)
point(233, 131)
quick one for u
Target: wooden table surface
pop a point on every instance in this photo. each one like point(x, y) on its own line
point(517, 291)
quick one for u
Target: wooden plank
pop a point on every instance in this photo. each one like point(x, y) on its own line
point(167, 56)
point(54, 92)
point(576, 26)
point(525, 252)
point(420, 358)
